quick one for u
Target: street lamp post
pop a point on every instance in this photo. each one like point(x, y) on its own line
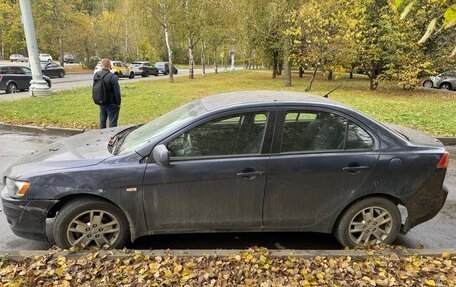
point(38, 86)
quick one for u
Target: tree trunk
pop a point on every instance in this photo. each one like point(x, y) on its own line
point(62, 62)
point(309, 86)
point(215, 63)
point(168, 45)
point(330, 75)
point(275, 59)
point(191, 64)
point(372, 84)
point(286, 68)
point(301, 71)
point(351, 75)
point(203, 58)
point(279, 68)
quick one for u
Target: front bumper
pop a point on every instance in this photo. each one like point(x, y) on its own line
point(27, 218)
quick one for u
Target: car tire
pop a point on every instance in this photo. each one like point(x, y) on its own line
point(371, 220)
point(48, 83)
point(131, 76)
point(61, 74)
point(11, 88)
point(156, 73)
point(428, 84)
point(146, 74)
point(100, 214)
point(445, 86)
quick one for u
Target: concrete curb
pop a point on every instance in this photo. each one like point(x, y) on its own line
point(73, 131)
point(119, 254)
point(56, 131)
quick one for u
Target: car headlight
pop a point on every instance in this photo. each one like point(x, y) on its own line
point(16, 189)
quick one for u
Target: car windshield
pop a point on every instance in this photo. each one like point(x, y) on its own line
point(161, 125)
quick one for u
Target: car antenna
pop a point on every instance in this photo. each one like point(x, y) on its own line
point(327, 94)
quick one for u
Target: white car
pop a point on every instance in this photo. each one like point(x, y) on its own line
point(45, 58)
point(18, 58)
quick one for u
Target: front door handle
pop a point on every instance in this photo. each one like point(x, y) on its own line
point(249, 173)
point(355, 169)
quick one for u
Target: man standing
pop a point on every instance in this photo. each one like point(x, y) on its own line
point(106, 94)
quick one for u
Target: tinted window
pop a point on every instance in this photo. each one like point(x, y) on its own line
point(358, 138)
point(26, 70)
point(313, 131)
point(237, 134)
point(16, 70)
point(4, 70)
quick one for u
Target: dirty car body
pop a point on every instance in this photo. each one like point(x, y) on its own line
point(239, 161)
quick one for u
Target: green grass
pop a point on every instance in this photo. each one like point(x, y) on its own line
point(431, 111)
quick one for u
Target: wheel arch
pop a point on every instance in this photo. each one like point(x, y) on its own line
point(389, 197)
point(72, 197)
point(446, 82)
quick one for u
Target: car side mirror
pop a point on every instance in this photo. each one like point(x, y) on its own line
point(160, 153)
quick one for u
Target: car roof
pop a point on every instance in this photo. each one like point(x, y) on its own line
point(267, 97)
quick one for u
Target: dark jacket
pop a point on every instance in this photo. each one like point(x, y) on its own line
point(112, 86)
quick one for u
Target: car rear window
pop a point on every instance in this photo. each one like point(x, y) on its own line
point(4, 70)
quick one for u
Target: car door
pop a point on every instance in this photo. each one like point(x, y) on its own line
point(216, 178)
point(19, 76)
point(28, 77)
point(320, 159)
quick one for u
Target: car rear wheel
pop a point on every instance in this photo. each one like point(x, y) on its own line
point(90, 222)
point(445, 86)
point(131, 76)
point(11, 88)
point(61, 74)
point(427, 84)
point(372, 220)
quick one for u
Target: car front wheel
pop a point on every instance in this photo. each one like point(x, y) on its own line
point(372, 220)
point(11, 88)
point(428, 84)
point(90, 222)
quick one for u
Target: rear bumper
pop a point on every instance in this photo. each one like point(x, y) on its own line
point(27, 218)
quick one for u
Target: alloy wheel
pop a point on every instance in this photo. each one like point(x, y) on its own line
point(372, 224)
point(93, 226)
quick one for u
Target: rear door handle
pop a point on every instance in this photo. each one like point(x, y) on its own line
point(355, 169)
point(250, 174)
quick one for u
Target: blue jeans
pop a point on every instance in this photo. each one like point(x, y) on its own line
point(110, 111)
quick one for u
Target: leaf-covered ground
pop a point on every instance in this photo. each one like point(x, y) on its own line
point(253, 267)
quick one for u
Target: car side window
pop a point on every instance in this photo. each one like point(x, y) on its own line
point(313, 131)
point(231, 135)
point(358, 138)
point(26, 70)
point(4, 70)
point(16, 70)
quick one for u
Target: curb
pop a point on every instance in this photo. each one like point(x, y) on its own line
point(55, 131)
point(120, 254)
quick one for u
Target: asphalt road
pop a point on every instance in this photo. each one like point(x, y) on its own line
point(436, 233)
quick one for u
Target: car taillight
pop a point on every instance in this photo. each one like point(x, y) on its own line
point(443, 163)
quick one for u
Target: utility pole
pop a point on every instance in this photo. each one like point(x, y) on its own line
point(38, 87)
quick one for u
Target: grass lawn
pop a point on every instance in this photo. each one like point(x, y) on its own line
point(431, 111)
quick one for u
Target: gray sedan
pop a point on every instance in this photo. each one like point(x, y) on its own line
point(444, 81)
point(239, 161)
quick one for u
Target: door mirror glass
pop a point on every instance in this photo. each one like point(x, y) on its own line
point(160, 154)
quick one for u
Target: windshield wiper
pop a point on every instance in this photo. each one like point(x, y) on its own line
point(116, 141)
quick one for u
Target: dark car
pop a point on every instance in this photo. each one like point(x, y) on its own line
point(144, 68)
point(16, 78)
point(239, 161)
point(69, 58)
point(445, 81)
point(163, 67)
point(52, 70)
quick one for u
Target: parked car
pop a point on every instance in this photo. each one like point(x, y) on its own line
point(239, 161)
point(45, 58)
point(445, 81)
point(163, 67)
point(16, 78)
point(69, 58)
point(18, 58)
point(144, 68)
point(118, 68)
point(52, 70)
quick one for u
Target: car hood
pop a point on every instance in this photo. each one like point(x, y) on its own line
point(86, 149)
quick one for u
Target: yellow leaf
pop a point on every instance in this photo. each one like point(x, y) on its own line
point(320, 276)
point(430, 282)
